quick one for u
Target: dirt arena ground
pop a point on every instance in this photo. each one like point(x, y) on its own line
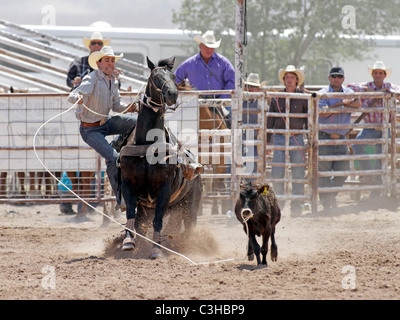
point(349, 253)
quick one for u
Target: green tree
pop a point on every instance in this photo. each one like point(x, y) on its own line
point(313, 33)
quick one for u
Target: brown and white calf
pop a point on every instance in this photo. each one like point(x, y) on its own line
point(259, 209)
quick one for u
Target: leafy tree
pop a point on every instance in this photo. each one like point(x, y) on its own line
point(300, 32)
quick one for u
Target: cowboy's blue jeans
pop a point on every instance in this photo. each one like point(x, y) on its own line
point(95, 137)
point(342, 165)
point(296, 156)
point(361, 148)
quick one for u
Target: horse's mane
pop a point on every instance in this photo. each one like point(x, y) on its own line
point(167, 62)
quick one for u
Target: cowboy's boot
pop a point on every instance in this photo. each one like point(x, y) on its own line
point(191, 168)
point(129, 242)
point(119, 141)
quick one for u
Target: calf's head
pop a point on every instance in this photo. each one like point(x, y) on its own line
point(249, 202)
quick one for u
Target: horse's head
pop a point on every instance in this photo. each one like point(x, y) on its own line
point(161, 87)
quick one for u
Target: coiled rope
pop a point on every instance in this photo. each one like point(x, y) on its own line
point(101, 212)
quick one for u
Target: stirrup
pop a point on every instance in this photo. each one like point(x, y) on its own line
point(191, 170)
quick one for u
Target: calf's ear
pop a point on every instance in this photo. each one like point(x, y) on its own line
point(264, 189)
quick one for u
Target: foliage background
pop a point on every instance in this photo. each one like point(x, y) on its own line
point(312, 33)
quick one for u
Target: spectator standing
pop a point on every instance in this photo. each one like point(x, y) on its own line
point(81, 67)
point(250, 116)
point(379, 73)
point(207, 70)
point(336, 79)
point(291, 78)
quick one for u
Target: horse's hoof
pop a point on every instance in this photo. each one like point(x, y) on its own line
point(156, 256)
point(128, 247)
point(129, 242)
point(156, 253)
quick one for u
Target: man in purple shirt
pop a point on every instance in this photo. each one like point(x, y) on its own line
point(207, 70)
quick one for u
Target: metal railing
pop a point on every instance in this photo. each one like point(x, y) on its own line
point(60, 146)
point(389, 155)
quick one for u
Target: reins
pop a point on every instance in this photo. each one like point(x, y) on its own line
point(158, 91)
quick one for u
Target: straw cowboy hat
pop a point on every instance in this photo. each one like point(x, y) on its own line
point(253, 79)
point(379, 65)
point(106, 51)
point(95, 36)
point(207, 39)
point(291, 69)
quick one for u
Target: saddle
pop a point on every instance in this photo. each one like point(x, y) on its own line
point(170, 151)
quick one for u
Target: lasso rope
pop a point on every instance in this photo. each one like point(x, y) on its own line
point(116, 114)
point(101, 212)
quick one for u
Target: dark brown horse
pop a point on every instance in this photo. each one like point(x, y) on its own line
point(152, 178)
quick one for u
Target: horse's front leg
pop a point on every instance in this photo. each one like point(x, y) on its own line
point(130, 198)
point(163, 197)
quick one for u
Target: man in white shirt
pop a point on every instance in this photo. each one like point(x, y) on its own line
point(96, 96)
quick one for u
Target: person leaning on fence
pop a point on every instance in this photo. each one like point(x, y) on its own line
point(96, 96)
point(250, 107)
point(291, 78)
point(207, 70)
point(336, 79)
point(80, 66)
point(379, 73)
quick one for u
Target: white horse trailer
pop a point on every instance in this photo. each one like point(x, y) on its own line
point(386, 49)
point(54, 47)
point(63, 43)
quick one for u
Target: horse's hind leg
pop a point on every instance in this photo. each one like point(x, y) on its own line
point(163, 196)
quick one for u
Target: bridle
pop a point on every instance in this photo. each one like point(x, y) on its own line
point(154, 90)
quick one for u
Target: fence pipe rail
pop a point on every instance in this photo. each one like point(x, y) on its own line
point(389, 154)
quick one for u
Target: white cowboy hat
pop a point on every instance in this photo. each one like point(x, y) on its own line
point(207, 39)
point(291, 69)
point(95, 36)
point(253, 79)
point(379, 65)
point(106, 51)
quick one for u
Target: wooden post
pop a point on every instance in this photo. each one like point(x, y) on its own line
point(314, 153)
point(237, 103)
point(393, 150)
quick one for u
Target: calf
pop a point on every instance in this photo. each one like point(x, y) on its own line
point(258, 208)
